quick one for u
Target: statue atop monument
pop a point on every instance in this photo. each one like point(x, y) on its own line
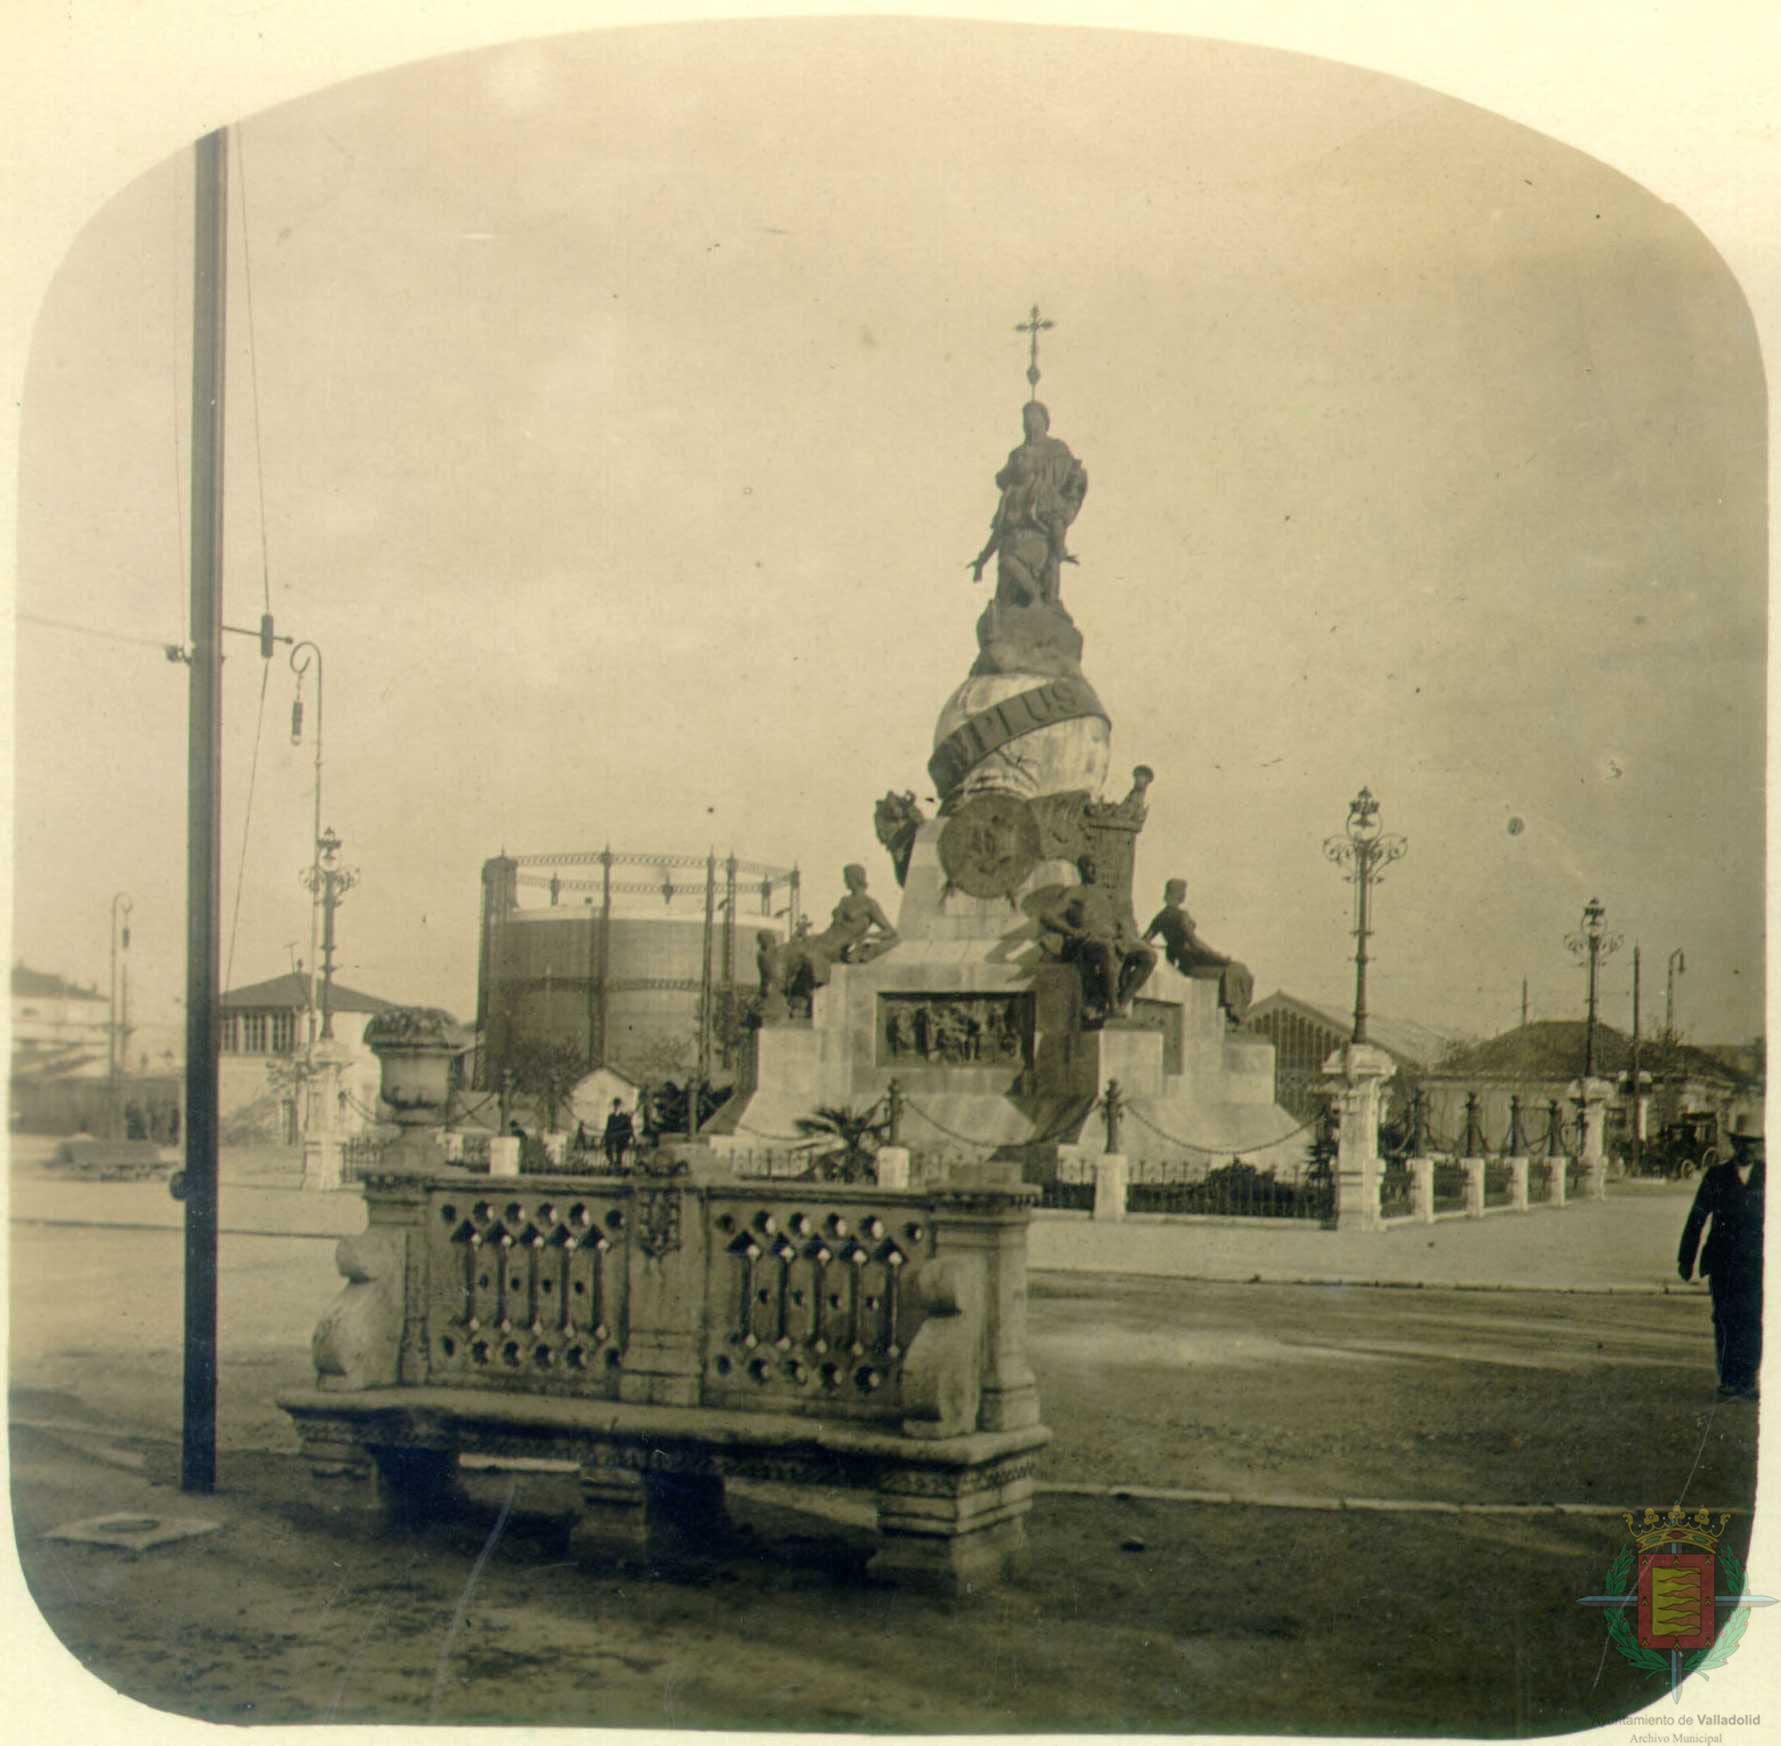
point(1042, 486)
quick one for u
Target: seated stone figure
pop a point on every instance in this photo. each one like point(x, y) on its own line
point(1193, 957)
point(858, 931)
point(1085, 928)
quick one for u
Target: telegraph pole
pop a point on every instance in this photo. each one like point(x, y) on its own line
point(203, 814)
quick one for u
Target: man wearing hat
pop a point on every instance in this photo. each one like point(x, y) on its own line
point(1731, 1196)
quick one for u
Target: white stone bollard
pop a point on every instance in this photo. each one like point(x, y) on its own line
point(504, 1155)
point(1423, 1205)
point(1111, 1176)
point(1559, 1189)
point(1474, 1169)
point(1518, 1184)
point(893, 1167)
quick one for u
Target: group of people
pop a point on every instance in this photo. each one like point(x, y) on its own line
point(617, 1140)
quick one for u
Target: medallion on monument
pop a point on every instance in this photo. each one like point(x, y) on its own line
point(990, 845)
point(960, 1030)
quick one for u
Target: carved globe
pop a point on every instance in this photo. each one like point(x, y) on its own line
point(1064, 756)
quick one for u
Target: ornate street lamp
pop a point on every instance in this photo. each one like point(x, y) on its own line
point(311, 654)
point(330, 882)
point(1364, 849)
point(1589, 945)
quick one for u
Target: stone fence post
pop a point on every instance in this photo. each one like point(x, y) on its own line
point(1358, 1074)
point(1111, 1177)
point(1518, 1184)
point(1423, 1203)
point(1474, 1169)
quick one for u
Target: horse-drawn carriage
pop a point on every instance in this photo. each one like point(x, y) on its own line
point(1679, 1149)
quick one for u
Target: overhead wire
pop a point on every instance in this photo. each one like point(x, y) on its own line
point(89, 630)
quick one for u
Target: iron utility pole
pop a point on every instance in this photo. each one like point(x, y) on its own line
point(1365, 849)
point(1638, 1105)
point(203, 811)
point(121, 905)
point(1591, 944)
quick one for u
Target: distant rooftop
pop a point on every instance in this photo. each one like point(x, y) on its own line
point(1417, 1045)
point(290, 992)
point(1553, 1049)
point(42, 985)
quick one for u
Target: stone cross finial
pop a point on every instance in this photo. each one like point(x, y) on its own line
point(1033, 327)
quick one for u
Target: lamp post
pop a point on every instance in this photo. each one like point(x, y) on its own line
point(313, 878)
point(1677, 966)
point(1364, 848)
point(330, 882)
point(1590, 944)
point(121, 906)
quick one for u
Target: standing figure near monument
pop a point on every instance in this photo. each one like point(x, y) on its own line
point(1193, 957)
point(858, 931)
point(1731, 1196)
point(1085, 928)
point(620, 1135)
point(1042, 489)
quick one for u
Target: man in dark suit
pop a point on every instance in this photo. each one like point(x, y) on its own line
point(1731, 1197)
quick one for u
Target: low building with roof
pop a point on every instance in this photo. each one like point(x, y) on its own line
point(1305, 1035)
point(1540, 1063)
point(262, 1043)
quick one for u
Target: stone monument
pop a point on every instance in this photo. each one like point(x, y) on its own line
point(1016, 982)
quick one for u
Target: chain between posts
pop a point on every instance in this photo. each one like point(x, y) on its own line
point(1221, 1151)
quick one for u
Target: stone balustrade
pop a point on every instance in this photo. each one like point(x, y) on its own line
point(666, 1330)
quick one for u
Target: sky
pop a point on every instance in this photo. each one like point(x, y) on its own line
point(618, 413)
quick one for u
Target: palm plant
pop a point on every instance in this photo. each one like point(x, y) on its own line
point(856, 1132)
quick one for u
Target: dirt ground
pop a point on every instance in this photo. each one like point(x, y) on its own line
point(1133, 1615)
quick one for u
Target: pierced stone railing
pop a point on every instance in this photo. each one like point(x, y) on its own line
point(666, 1330)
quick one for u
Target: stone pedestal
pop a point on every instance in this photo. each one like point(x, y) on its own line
point(1559, 1180)
point(321, 1163)
point(1518, 1168)
point(321, 1118)
point(1474, 1169)
point(1593, 1095)
point(1359, 1072)
point(1111, 1177)
point(504, 1152)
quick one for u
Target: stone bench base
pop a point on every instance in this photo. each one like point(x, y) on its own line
point(951, 1511)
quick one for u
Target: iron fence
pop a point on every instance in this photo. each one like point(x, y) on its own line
point(1574, 1177)
point(1232, 1190)
point(1450, 1186)
point(1397, 1192)
point(1539, 1182)
point(1499, 1184)
point(362, 1153)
